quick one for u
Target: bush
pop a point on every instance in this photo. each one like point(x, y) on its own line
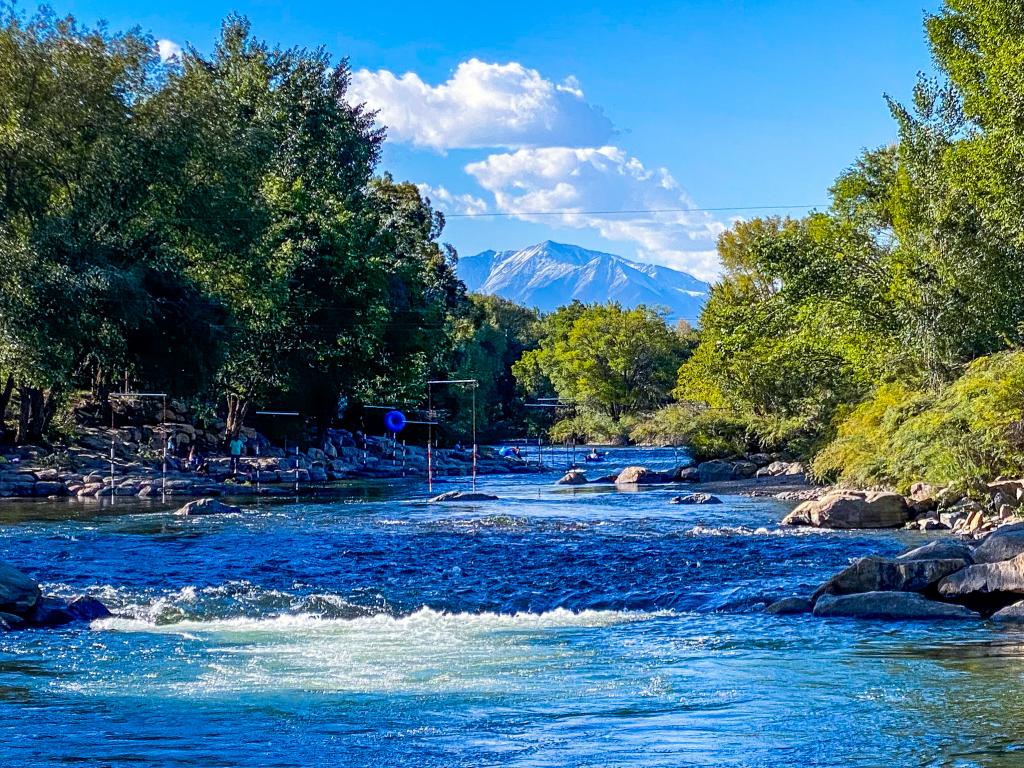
point(973, 427)
point(590, 427)
point(708, 432)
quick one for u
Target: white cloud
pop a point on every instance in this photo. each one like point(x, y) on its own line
point(580, 181)
point(482, 105)
point(452, 203)
point(168, 50)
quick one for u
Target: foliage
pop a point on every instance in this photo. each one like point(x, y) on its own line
point(211, 224)
point(969, 428)
point(708, 432)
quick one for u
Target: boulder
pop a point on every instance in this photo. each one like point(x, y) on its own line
point(696, 498)
point(207, 507)
point(744, 469)
point(50, 612)
point(606, 479)
point(1003, 543)
point(878, 574)
point(888, 605)
point(573, 477)
point(641, 476)
point(986, 585)
point(852, 509)
point(11, 621)
point(18, 592)
point(688, 475)
point(940, 549)
point(463, 496)
point(87, 608)
point(790, 605)
point(715, 470)
point(1011, 614)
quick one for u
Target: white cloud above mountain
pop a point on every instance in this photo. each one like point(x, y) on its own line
point(482, 105)
point(450, 202)
point(607, 190)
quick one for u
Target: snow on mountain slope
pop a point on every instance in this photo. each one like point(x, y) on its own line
point(548, 275)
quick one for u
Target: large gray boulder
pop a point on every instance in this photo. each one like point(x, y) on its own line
point(208, 507)
point(18, 592)
point(641, 476)
point(1011, 614)
point(790, 605)
point(985, 579)
point(888, 605)
point(879, 574)
point(1003, 543)
point(715, 471)
point(852, 509)
point(940, 549)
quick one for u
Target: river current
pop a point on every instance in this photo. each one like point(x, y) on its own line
point(555, 627)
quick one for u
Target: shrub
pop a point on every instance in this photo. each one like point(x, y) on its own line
point(973, 427)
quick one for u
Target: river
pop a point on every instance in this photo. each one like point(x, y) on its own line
point(555, 627)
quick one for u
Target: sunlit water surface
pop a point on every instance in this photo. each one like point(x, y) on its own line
point(555, 627)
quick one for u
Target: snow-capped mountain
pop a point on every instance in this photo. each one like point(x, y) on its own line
point(548, 275)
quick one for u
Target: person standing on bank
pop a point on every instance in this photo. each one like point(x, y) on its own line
point(236, 446)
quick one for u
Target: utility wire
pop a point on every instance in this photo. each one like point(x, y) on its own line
point(633, 211)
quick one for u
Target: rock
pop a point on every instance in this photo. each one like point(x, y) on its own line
point(1011, 614)
point(50, 612)
point(888, 605)
point(11, 621)
point(715, 470)
point(852, 509)
point(744, 469)
point(18, 592)
point(987, 585)
point(759, 459)
point(795, 468)
point(773, 469)
point(640, 476)
point(941, 549)
point(688, 475)
point(878, 574)
point(1003, 543)
point(207, 507)
point(789, 605)
point(605, 479)
point(696, 498)
point(87, 608)
point(922, 492)
point(463, 496)
point(573, 477)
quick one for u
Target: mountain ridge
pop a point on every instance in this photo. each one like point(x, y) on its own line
point(549, 274)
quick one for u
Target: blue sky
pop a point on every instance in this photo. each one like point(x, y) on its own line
point(575, 106)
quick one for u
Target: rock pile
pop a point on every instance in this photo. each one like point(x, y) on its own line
point(941, 580)
point(23, 606)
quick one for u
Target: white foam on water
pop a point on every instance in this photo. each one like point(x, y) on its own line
point(426, 651)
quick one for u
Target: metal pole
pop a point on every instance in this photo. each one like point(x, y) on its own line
point(163, 436)
point(474, 437)
point(112, 453)
point(257, 469)
point(430, 440)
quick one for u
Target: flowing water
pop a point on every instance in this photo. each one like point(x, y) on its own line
point(555, 627)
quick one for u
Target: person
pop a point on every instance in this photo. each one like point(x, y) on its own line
point(193, 458)
point(235, 447)
point(329, 450)
point(457, 447)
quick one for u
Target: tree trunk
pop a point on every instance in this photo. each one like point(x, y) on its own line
point(5, 401)
point(36, 409)
point(238, 408)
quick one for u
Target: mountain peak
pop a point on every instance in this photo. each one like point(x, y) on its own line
point(549, 274)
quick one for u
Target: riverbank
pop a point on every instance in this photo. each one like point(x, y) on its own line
point(85, 468)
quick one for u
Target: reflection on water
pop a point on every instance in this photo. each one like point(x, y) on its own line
point(556, 627)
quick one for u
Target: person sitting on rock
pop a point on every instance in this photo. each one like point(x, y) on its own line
point(235, 447)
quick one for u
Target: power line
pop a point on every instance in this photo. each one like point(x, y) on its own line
point(632, 211)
